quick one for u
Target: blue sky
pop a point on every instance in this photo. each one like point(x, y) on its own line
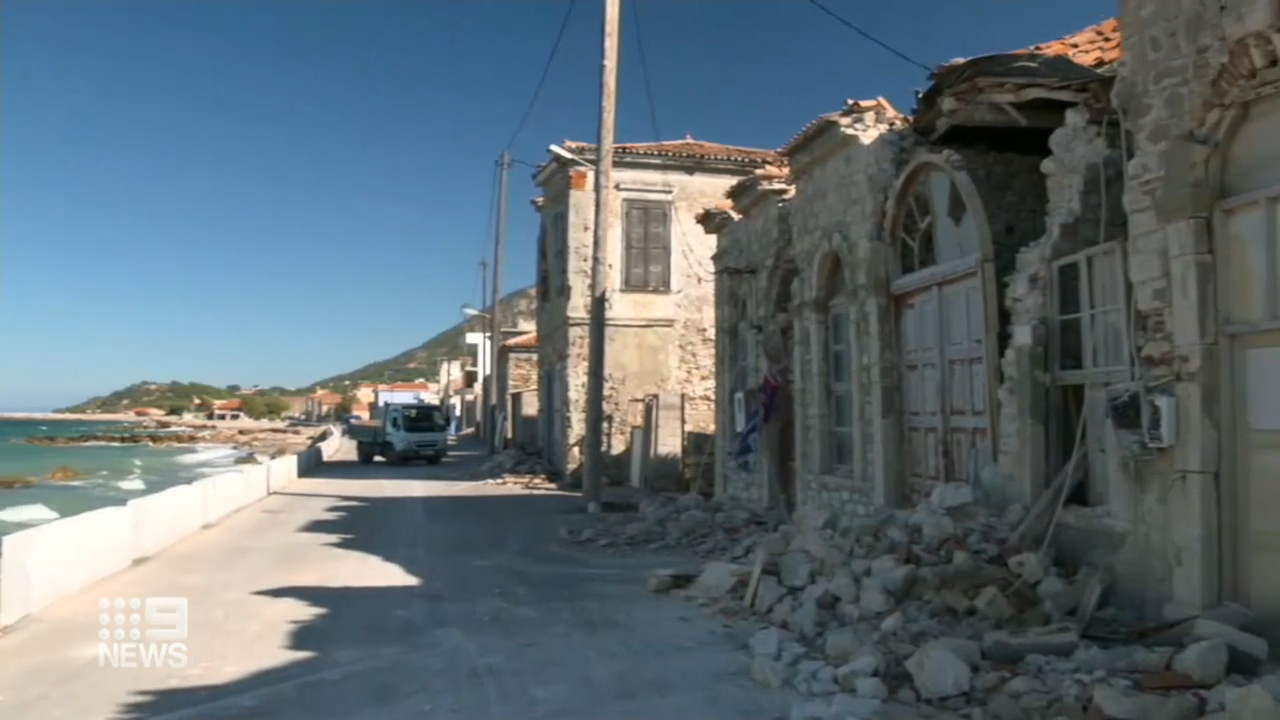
point(273, 191)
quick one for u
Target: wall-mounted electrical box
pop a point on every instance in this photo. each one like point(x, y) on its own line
point(1160, 420)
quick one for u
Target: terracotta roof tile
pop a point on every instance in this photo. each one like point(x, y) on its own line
point(816, 126)
point(686, 148)
point(527, 341)
point(766, 174)
point(1095, 47)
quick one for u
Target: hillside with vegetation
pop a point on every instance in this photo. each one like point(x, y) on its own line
point(168, 396)
point(518, 308)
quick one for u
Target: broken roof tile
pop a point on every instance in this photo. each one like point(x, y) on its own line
point(816, 126)
point(1095, 47)
point(758, 177)
point(527, 341)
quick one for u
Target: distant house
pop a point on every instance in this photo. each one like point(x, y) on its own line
point(321, 404)
point(229, 410)
point(148, 412)
point(517, 389)
point(297, 405)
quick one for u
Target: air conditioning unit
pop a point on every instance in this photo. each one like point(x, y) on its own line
point(739, 411)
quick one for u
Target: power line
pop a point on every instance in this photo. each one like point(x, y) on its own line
point(869, 37)
point(546, 69)
point(699, 270)
point(644, 70)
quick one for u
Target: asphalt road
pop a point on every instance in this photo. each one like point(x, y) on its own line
point(388, 593)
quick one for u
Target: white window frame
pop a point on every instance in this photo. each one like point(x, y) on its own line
point(839, 353)
point(1090, 371)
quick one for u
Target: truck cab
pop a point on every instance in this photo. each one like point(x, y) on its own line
point(402, 432)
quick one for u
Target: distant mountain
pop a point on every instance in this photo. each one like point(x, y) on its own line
point(519, 309)
point(165, 396)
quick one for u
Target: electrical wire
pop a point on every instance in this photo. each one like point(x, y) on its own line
point(542, 79)
point(700, 270)
point(644, 69)
point(869, 37)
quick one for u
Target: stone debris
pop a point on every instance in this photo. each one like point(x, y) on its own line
point(516, 468)
point(932, 613)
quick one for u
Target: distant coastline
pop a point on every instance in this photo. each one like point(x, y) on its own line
point(72, 417)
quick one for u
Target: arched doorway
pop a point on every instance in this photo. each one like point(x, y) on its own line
point(943, 301)
point(778, 349)
point(1245, 245)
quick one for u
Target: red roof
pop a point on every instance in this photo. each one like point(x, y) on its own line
point(1096, 46)
point(425, 386)
point(527, 341)
point(686, 148)
point(232, 404)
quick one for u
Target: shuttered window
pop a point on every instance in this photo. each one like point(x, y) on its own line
point(646, 263)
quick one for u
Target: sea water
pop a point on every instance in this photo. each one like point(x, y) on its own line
point(112, 474)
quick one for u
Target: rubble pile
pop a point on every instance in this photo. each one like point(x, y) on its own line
point(515, 467)
point(710, 529)
point(935, 611)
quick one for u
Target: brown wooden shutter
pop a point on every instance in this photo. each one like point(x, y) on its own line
point(658, 247)
point(634, 227)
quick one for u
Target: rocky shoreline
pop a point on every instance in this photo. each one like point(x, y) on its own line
point(270, 441)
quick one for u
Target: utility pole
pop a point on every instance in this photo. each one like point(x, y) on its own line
point(482, 356)
point(593, 441)
point(495, 337)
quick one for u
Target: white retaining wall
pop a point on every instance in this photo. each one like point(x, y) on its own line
point(41, 564)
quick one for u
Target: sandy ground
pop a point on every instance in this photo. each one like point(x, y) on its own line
point(389, 593)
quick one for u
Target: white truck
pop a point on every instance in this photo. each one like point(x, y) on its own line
point(402, 432)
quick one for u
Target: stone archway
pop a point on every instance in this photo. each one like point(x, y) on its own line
point(943, 290)
point(778, 349)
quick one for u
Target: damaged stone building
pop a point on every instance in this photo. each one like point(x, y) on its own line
point(660, 322)
point(987, 293)
point(1197, 90)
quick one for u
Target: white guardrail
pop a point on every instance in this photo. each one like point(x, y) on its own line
point(42, 564)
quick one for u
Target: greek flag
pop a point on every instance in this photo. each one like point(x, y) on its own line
point(749, 439)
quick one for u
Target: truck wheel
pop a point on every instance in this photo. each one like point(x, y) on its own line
point(363, 454)
point(391, 456)
point(434, 460)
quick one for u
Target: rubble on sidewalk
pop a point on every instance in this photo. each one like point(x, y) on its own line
point(933, 609)
point(515, 467)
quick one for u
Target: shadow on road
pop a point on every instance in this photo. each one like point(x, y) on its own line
point(496, 620)
point(463, 462)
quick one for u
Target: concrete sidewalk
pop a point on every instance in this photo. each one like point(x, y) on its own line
point(391, 592)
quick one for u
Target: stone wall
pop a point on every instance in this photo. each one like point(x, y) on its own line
point(522, 370)
point(748, 247)
point(553, 318)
